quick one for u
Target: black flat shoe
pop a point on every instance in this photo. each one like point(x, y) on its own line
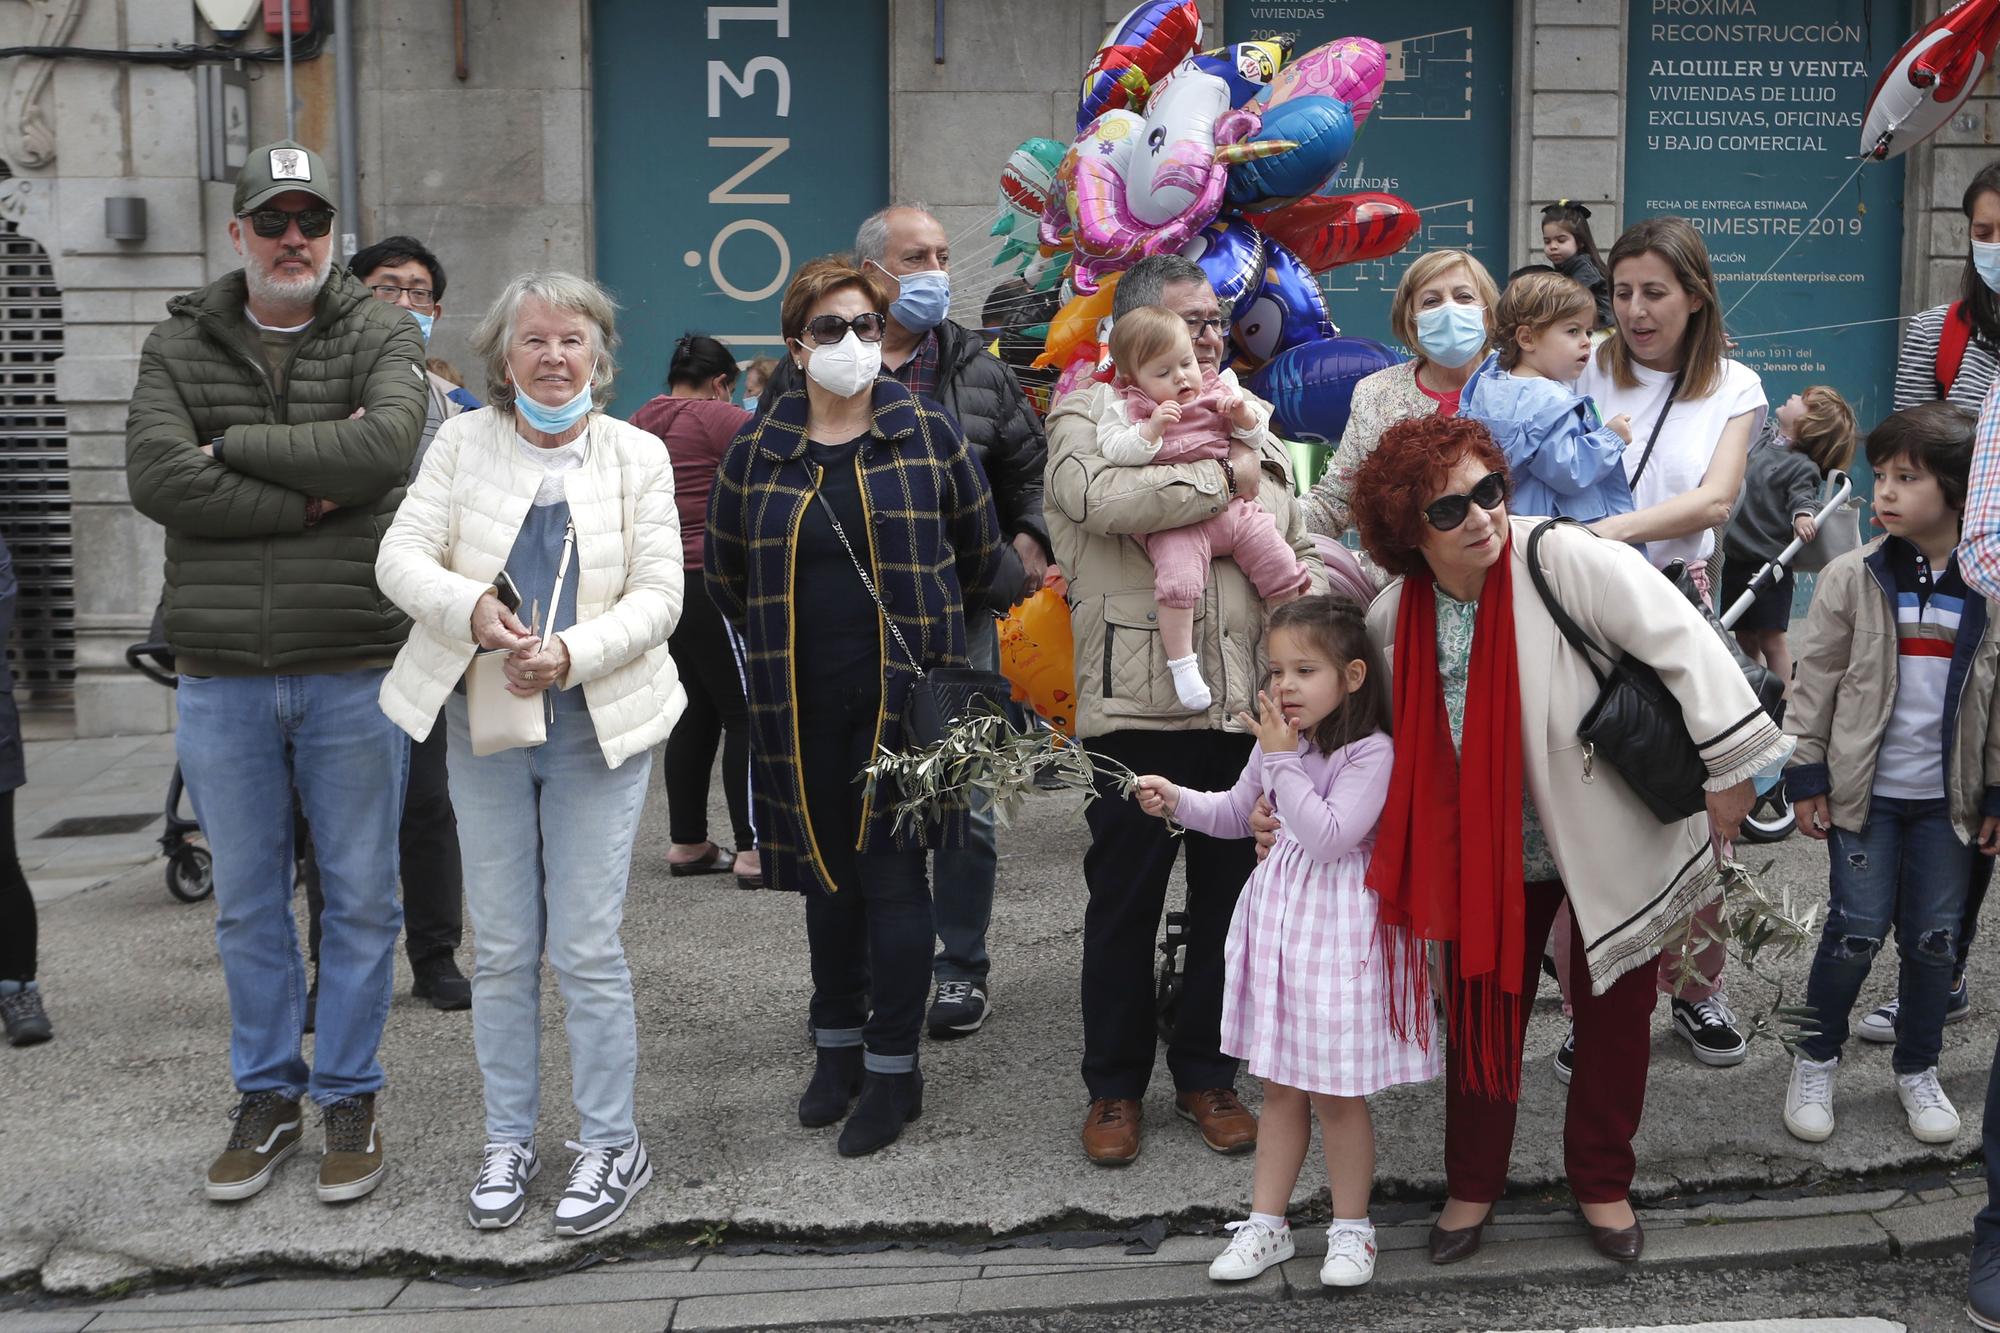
point(1625, 1244)
point(720, 862)
point(836, 1081)
point(1448, 1247)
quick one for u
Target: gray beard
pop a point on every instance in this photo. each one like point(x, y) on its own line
point(297, 294)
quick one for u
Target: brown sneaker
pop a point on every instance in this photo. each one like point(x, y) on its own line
point(268, 1129)
point(1111, 1131)
point(352, 1166)
point(1226, 1124)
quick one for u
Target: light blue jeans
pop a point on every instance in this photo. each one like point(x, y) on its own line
point(244, 744)
point(546, 835)
point(963, 878)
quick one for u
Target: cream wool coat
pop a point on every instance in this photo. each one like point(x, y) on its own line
point(452, 537)
point(1629, 877)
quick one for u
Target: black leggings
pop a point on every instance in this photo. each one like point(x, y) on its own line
point(17, 905)
point(702, 649)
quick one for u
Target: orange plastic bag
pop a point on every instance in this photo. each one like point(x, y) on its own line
point(1038, 655)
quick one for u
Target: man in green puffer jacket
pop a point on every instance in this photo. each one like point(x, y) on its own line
point(271, 430)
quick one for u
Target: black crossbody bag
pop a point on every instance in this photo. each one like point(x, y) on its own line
point(941, 695)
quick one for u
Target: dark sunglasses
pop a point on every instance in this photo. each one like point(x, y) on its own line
point(829, 329)
point(1449, 511)
point(270, 223)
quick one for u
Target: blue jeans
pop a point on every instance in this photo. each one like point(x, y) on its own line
point(546, 836)
point(1906, 868)
point(244, 744)
point(963, 878)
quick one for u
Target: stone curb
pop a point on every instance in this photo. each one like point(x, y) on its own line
point(723, 1291)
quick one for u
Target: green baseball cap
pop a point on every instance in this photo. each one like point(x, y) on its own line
point(277, 167)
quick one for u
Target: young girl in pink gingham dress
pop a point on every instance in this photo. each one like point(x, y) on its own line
point(1304, 999)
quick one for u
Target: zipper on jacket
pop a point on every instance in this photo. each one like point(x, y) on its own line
point(881, 649)
point(792, 667)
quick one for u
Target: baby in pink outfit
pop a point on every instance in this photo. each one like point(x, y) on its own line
point(1169, 412)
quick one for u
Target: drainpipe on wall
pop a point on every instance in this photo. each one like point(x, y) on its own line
point(347, 133)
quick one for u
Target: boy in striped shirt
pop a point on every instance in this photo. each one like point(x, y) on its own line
point(1896, 765)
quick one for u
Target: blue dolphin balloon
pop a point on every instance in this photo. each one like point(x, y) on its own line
point(1311, 386)
point(1323, 129)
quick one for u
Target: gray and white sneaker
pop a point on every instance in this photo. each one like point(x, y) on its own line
point(502, 1191)
point(958, 1010)
point(601, 1184)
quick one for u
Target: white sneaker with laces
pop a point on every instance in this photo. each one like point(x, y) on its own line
point(1879, 1024)
point(1350, 1257)
point(502, 1190)
point(1933, 1119)
point(1809, 1099)
point(1253, 1248)
point(601, 1185)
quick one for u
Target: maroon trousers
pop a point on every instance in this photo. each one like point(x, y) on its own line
point(1614, 1044)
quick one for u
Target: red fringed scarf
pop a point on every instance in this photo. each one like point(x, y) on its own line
point(1447, 863)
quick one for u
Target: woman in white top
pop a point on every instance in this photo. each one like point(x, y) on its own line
point(1694, 413)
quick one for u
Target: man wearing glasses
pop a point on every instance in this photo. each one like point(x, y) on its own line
point(271, 433)
point(1127, 709)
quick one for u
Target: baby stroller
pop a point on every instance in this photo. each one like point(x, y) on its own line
point(190, 868)
point(1771, 818)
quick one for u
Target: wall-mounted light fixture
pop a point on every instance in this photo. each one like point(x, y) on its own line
point(125, 217)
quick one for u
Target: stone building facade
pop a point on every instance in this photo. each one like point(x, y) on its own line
point(500, 161)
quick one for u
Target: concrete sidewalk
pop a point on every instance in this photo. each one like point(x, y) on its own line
point(109, 1128)
point(693, 1289)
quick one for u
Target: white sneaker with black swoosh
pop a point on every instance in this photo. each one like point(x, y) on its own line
point(502, 1189)
point(601, 1186)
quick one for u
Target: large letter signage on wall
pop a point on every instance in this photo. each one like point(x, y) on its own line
point(1743, 116)
point(1439, 137)
point(733, 143)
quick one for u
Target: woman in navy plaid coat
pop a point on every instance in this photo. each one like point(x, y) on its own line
point(852, 476)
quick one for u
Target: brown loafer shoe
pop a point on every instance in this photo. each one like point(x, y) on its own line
point(1111, 1131)
point(1625, 1244)
point(1226, 1124)
point(1448, 1247)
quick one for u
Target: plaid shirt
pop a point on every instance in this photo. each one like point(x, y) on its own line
point(1979, 547)
point(934, 542)
point(920, 373)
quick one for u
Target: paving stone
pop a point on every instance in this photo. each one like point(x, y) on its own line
point(1176, 1249)
point(1766, 1326)
point(624, 1317)
point(755, 1263)
point(331, 1294)
point(773, 1309)
point(1164, 1282)
point(1938, 1195)
point(611, 1284)
point(1802, 1239)
point(1753, 1209)
point(1944, 1227)
point(44, 1321)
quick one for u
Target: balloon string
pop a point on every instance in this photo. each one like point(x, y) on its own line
point(1802, 233)
point(1819, 328)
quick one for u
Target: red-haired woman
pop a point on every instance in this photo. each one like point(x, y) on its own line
point(1495, 816)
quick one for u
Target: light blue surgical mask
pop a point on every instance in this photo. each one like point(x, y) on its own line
point(424, 323)
point(749, 402)
point(925, 299)
point(1452, 334)
point(555, 420)
point(1986, 262)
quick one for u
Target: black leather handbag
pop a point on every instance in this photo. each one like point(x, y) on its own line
point(942, 695)
point(1635, 725)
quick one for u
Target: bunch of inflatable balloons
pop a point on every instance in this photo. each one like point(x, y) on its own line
point(1232, 158)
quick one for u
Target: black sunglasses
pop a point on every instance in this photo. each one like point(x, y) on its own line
point(270, 223)
point(1449, 511)
point(829, 329)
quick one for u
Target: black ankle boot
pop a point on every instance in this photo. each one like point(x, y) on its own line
point(835, 1081)
point(888, 1102)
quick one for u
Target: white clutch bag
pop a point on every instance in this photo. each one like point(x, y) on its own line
point(497, 718)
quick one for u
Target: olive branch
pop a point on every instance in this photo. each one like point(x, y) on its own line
point(1756, 926)
point(982, 754)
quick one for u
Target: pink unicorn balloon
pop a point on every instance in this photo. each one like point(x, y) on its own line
point(1348, 68)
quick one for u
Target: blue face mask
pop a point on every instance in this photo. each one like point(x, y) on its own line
point(749, 402)
point(925, 299)
point(555, 420)
point(424, 323)
point(1986, 262)
point(1452, 334)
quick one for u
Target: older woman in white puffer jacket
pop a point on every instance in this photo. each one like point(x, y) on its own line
point(543, 529)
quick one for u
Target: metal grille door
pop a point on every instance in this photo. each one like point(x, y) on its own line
point(34, 469)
